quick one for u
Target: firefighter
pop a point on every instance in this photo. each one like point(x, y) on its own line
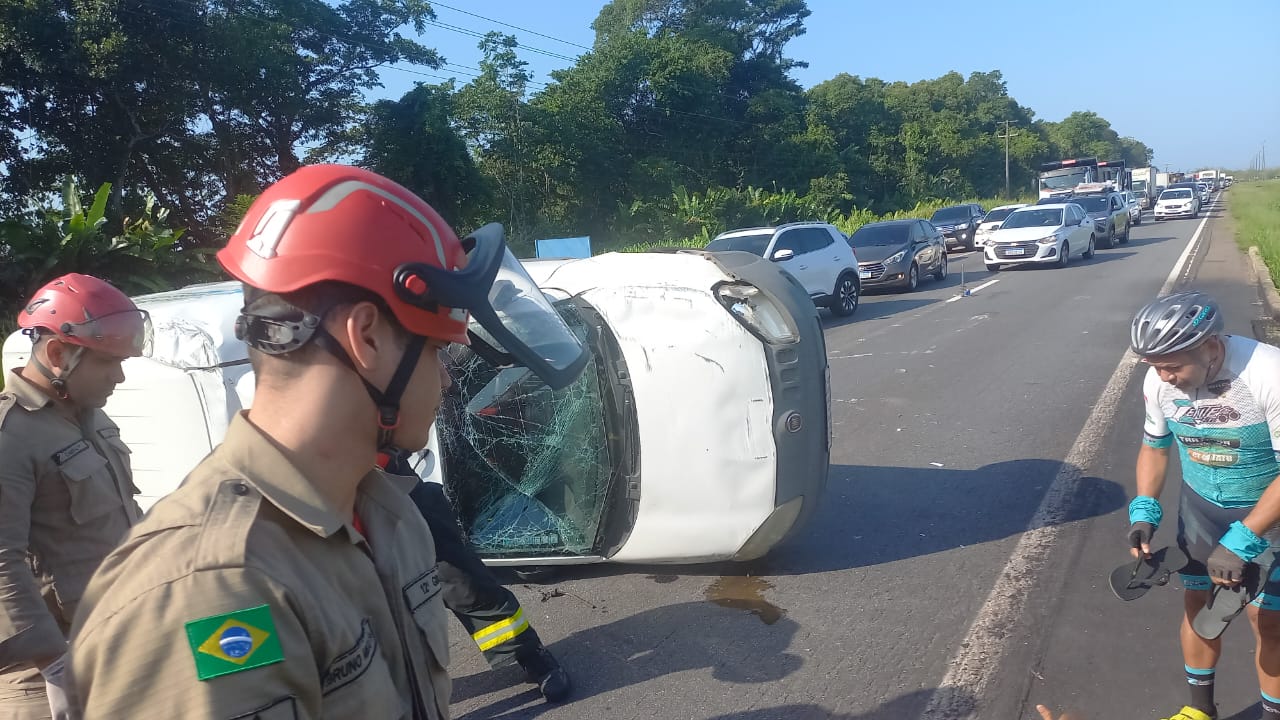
point(490, 612)
point(66, 486)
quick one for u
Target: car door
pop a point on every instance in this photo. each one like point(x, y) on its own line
point(924, 247)
point(825, 260)
point(786, 252)
point(1079, 228)
point(1119, 215)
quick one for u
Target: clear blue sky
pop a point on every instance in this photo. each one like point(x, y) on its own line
point(1197, 80)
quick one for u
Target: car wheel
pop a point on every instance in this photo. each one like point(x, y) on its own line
point(913, 277)
point(1108, 242)
point(993, 267)
point(1126, 235)
point(1088, 254)
point(1064, 254)
point(845, 298)
point(942, 269)
point(1139, 220)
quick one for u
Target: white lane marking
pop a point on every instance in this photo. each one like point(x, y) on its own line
point(971, 669)
point(988, 283)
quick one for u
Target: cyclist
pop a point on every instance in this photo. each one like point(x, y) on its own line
point(1218, 397)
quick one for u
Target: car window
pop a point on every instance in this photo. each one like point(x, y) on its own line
point(755, 243)
point(926, 230)
point(790, 240)
point(815, 238)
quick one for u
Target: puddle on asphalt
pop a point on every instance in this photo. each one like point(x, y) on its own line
point(663, 579)
point(745, 593)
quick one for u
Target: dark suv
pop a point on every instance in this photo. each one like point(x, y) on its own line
point(958, 223)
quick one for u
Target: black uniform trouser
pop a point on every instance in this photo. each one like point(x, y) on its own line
point(488, 611)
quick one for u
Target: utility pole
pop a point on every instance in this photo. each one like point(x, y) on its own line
point(1006, 136)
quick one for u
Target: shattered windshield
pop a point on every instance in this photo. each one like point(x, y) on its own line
point(528, 468)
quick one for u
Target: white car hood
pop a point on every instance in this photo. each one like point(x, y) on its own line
point(1027, 234)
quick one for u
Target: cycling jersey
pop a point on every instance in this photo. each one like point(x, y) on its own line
point(1226, 431)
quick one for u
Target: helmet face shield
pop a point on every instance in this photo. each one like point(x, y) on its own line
point(123, 334)
point(507, 309)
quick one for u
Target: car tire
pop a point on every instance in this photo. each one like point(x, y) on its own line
point(1064, 255)
point(1109, 241)
point(913, 278)
point(1088, 254)
point(1125, 240)
point(942, 269)
point(844, 299)
point(993, 267)
point(1139, 222)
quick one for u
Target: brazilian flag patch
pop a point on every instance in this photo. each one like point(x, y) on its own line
point(240, 640)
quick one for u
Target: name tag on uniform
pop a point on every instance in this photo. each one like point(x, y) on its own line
point(63, 456)
point(423, 588)
point(351, 664)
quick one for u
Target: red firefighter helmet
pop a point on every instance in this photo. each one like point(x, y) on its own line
point(91, 312)
point(346, 224)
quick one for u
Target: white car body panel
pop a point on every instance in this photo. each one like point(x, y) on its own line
point(709, 471)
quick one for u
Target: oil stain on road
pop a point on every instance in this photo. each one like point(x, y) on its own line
point(745, 593)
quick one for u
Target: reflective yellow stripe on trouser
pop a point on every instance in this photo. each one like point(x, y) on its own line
point(501, 631)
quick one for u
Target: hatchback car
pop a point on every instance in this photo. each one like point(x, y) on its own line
point(817, 254)
point(1041, 234)
point(1135, 207)
point(993, 220)
point(958, 223)
point(699, 430)
point(895, 253)
point(1177, 203)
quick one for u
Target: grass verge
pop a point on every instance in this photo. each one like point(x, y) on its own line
point(1255, 206)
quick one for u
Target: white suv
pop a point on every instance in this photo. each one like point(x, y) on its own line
point(817, 254)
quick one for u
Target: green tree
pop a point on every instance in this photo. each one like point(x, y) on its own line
point(413, 141)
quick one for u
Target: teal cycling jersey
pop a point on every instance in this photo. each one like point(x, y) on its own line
point(1227, 431)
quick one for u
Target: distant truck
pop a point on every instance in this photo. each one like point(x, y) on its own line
point(1060, 178)
point(1210, 177)
point(1162, 180)
point(1143, 184)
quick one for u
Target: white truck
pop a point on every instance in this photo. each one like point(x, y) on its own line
point(1143, 185)
point(1210, 177)
point(1059, 179)
point(1162, 181)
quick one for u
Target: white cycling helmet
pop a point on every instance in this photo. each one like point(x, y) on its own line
point(1174, 323)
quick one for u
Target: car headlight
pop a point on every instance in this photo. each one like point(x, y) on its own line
point(1100, 222)
point(758, 312)
point(1052, 239)
point(962, 226)
point(896, 257)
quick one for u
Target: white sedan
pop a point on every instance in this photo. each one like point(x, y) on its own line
point(1176, 203)
point(699, 431)
point(1041, 234)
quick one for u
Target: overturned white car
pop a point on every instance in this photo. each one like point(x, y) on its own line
point(699, 431)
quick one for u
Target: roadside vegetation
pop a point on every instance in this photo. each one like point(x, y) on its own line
point(1255, 206)
point(682, 119)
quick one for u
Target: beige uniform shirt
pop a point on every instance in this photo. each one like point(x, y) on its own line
point(66, 499)
point(241, 595)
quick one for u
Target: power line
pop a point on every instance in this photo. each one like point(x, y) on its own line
point(474, 33)
point(505, 24)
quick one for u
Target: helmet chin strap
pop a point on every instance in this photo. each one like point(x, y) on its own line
point(59, 380)
point(387, 401)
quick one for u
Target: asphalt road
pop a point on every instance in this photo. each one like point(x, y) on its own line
point(916, 590)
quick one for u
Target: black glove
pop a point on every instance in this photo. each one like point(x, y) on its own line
point(1140, 534)
point(1225, 567)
